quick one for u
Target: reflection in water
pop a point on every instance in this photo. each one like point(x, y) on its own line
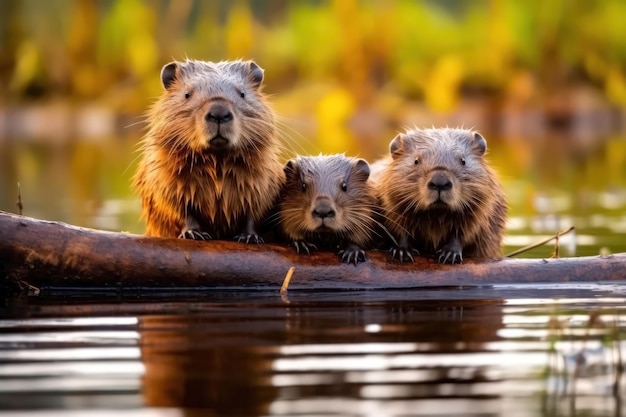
point(369, 355)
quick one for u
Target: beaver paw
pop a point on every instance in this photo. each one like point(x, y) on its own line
point(352, 254)
point(449, 255)
point(249, 238)
point(194, 234)
point(403, 254)
point(304, 246)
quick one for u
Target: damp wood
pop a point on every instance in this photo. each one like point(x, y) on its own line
point(43, 254)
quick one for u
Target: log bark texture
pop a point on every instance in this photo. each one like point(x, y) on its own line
point(48, 254)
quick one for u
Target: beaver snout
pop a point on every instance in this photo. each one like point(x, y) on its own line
point(323, 208)
point(439, 182)
point(219, 113)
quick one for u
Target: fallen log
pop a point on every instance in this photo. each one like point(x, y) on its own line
point(52, 255)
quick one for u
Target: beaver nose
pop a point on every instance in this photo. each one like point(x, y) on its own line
point(323, 209)
point(219, 113)
point(440, 182)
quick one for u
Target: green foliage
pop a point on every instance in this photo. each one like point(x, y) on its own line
point(428, 48)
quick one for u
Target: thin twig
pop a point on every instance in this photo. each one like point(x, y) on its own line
point(536, 245)
point(283, 288)
point(555, 254)
point(31, 290)
point(19, 204)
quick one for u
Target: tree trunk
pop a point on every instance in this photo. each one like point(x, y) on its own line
point(43, 255)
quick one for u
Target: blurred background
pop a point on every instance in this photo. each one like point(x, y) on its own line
point(545, 82)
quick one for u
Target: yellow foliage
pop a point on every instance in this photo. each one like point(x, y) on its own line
point(616, 86)
point(333, 112)
point(27, 66)
point(441, 87)
point(353, 60)
point(143, 53)
point(127, 31)
point(595, 65)
point(616, 161)
point(85, 80)
point(82, 36)
point(238, 31)
point(315, 32)
point(423, 48)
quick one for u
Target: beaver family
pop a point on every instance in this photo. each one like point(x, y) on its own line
point(328, 201)
point(440, 196)
point(209, 166)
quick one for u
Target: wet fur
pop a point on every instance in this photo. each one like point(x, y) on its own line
point(352, 227)
point(471, 221)
point(183, 180)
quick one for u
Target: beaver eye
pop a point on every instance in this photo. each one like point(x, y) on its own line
point(344, 186)
point(303, 186)
point(417, 161)
point(462, 161)
point(242, 94)
point(187, 94)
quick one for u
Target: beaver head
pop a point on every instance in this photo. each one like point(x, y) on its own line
point(438, 169)
point(212, 107)
point(327, 194)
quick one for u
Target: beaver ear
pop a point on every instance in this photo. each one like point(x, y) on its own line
point(396, 145)
point(479, 146)
point(362, 168)
point(255, 74)
point(290, 168)
point(169, 73)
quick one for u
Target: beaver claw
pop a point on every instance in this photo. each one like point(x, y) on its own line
point(449, 257)
point(450, 254)
point(249, 238)
point(194, 234)
point(403, 254)
point(304, 246)
point(352, 254)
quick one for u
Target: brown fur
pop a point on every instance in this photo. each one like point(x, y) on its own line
point(327, 200)
point(198, 177)
point(465, 217)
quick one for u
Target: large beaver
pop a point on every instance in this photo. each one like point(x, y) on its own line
point(209, 165)
point(440, 196)
point(327, 200)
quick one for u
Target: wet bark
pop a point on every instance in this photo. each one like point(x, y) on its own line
point(42, 255)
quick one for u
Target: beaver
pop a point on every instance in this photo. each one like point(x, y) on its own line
point(327, 200)
point(210, 164)
point(440, 196)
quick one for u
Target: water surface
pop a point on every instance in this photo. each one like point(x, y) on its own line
point(540, 350)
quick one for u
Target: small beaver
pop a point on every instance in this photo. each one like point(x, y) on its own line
point(440, 196)
point(328, 201)
point(210, 166)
